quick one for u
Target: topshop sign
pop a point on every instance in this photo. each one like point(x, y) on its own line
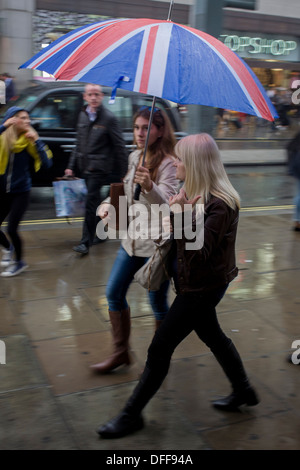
point(262, 47)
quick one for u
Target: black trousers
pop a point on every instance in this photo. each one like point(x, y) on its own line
point(188, 312)
point(94, 184)
point(191, 311)
point(14, 206)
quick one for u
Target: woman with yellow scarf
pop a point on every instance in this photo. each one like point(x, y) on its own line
point(19, 143)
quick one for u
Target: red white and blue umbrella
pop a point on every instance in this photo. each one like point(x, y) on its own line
point(159, 58)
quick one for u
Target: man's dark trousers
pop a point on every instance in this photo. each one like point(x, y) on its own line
point(94, 184)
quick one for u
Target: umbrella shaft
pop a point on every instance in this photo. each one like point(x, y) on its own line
point(138, 186)
point(170, 10)
point(149, 129)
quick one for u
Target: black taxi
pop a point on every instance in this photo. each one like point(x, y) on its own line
point(54, 108)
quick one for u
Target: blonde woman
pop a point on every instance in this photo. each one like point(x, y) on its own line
point(201, 278)
point(19, 144)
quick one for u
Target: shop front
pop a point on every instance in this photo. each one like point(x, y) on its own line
point(275, 59)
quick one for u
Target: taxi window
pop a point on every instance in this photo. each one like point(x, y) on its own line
point(57, 111)
point(22, 102)
point(122, 108)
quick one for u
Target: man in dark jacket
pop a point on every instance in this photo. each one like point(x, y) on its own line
point(100, 156)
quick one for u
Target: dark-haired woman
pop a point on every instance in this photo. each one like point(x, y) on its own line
point(158, 182)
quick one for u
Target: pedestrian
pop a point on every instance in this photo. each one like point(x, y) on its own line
point(19, 144)
point(10, 89)
point(293, 150)
point(2, 92)
point(158, 182)
point(201, 278)
point(100, 155)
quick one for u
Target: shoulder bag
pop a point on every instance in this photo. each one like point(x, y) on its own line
point(157, 269)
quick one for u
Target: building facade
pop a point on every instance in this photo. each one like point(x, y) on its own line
point(269, 43)
point(267, 35)
point(268, 38)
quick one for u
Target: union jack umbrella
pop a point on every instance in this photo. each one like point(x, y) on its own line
point(159, 58)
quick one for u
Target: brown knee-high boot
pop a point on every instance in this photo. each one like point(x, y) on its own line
point(120, 322)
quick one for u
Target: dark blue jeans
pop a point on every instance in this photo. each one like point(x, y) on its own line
point(121, 276)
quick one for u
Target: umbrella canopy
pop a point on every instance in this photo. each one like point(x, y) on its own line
point(159, 58)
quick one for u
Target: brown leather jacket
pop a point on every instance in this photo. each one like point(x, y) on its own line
point(213, 265)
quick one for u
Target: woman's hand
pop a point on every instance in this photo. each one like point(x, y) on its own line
point(10, 122)
point(32, 135)
point(180, 200)
point(142, 177)
point(103, 210)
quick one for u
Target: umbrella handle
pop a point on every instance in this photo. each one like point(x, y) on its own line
point(138, 187)
point(137, 192)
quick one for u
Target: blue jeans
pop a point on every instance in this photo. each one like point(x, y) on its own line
point(121, 276)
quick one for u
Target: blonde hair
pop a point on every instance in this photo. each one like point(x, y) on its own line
point(10, 135)
point(205, 172)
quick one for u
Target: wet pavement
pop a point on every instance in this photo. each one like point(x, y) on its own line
point(54, 324)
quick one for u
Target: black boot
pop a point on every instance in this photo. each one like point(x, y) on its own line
point(130, 419)
point(120, 426)
point(243, 393)
point(237, 399)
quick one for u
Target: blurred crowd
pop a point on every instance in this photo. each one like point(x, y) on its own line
point(234, 124)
